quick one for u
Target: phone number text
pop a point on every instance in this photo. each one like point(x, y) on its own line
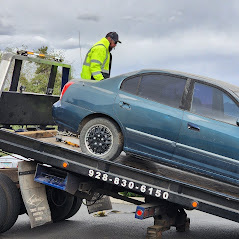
point(129, 184)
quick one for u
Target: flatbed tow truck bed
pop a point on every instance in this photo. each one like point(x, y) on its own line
point(156, 168)
point(148, 179)
point(71, 142)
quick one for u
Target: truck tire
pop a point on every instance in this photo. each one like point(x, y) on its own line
point(102, 138)
point(60, 203)
point(185, 227)
point(3, 208)
point(23, 209)
point(75, 207)
point(13, 202)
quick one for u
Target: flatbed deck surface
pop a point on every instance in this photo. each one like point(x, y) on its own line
point(159, 169)
point(141, 176)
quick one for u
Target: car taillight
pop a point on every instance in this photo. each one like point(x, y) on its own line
point(65, 88)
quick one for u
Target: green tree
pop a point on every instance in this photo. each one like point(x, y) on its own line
point(35, 76)
point(38, 84)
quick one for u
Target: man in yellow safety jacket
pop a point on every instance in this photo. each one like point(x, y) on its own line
point(98, 60)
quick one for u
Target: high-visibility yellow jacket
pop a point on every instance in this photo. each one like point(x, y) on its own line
point(97, 61)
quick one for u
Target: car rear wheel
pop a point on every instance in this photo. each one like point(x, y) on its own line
point(102, 138)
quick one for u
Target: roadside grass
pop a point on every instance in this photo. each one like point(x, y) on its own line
point(2, 154)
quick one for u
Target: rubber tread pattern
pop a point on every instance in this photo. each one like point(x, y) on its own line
point(13, 202)
point(3, 207)
point(75, 207)
point(59, 212)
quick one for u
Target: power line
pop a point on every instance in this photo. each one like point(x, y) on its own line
point(80, 49)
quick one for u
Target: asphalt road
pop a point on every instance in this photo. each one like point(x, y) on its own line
point(121, 224)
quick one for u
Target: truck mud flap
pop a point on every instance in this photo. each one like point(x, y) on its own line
point(34, 195)
point(98, 203)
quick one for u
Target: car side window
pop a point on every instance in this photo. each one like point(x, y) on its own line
point(211, 102)
point(202, 99)
point(230, 108)
point(131, 85)
point(164, 89)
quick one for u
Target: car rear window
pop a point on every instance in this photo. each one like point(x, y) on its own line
point(131, 85)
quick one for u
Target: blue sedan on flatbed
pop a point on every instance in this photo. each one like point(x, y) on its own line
point(170, 117)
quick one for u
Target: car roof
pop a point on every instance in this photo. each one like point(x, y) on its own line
point(222, 84)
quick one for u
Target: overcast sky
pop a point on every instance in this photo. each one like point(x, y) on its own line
point(195, 36)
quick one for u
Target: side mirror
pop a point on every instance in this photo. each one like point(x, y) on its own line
point(237, 122)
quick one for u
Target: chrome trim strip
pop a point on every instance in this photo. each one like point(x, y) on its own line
point(150, 136)
point(226, 159)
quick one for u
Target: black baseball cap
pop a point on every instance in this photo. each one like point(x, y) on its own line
point(114, 36)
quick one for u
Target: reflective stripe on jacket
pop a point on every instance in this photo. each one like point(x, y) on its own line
point(97, 61)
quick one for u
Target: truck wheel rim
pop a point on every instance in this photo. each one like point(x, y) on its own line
point(99, 140)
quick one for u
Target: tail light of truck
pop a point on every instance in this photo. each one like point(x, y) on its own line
point(65, 88)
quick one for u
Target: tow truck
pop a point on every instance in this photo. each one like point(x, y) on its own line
point(54, 177)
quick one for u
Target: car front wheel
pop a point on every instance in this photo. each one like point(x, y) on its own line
point(101, 137)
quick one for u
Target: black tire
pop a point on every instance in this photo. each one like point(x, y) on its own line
point(13, 202)
point(23, 209)
point(185, 227)
point(3, 208)
point(60, 203)
point(75, 207)
point(102, 138)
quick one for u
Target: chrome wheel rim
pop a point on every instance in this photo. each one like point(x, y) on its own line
point(99, 140)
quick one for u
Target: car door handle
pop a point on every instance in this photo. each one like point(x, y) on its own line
point(124, 105)
point(193, 127)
